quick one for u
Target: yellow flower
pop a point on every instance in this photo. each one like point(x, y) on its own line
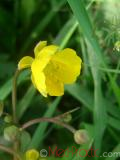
point(51, 68)
point(32, 155)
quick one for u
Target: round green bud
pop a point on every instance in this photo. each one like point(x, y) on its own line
point(8, 119)
point(117, 46)
point(11, 133)
point(67, 118)
point(81, 136)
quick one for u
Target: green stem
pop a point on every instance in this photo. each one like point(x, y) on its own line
point(14, 95)
point(117, 71)
point(14, 99)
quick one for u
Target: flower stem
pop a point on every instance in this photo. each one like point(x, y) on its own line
point(10, 151)
point(14, 99)
point(14, 95)
point(52, 120)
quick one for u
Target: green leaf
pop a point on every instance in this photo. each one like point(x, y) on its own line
point(25, 140)
point(7, 87)
point(115, 123)
point(27, 9)
point(40, 131)
point(66, 32)
point(39, 28)
point(24, 103)
point(115, 153)
point(80, 93)
point(94, 56)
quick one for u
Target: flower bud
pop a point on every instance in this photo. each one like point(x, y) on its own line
point(67, 118)
point(117, 46)
point(32, 154)
point(81, 136)
point(8, 119)
point(11, 133)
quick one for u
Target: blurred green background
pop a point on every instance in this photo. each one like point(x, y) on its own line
point(91, 27)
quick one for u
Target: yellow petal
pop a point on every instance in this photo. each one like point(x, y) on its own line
point(39, 47)
point(25, 62)
point(47, 51)
point(45, 56)
point(32, 154)
point(66, 65)
point(38, 77)
point(54, 86)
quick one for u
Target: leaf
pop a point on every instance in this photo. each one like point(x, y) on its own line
point(41, 26)
point(27, 9)
point(24, 103)
point(115, 123)
point(66, 32)
point(115, 153)
point(7, 87)
point(40, 131)
point(80, 93)
point(94, 56)
point(25, 140)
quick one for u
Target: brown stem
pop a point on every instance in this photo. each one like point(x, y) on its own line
point(10, 151)
point(14, 99)
point(52, 120)
point(66, 113)
point(14, 95)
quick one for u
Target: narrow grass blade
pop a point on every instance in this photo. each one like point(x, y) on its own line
point(115, 153)
point(41, 26)
point(7, 87)
point(40, 131)
point(115, 123)
point(66, 33)
point(80, 93)
point(25, 101)
point(95, 56)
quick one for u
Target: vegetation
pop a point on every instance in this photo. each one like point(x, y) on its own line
point(92, 29)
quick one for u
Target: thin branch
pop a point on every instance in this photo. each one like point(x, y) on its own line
point(66, 113)
point(10, 151)
point(14, 99)
point(14, 95)
point(117, 71)
point(52, 120)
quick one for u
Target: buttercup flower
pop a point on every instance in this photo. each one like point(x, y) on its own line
point(52, 68)
point(32, 155)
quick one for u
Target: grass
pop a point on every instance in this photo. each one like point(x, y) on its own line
point(77, 24)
